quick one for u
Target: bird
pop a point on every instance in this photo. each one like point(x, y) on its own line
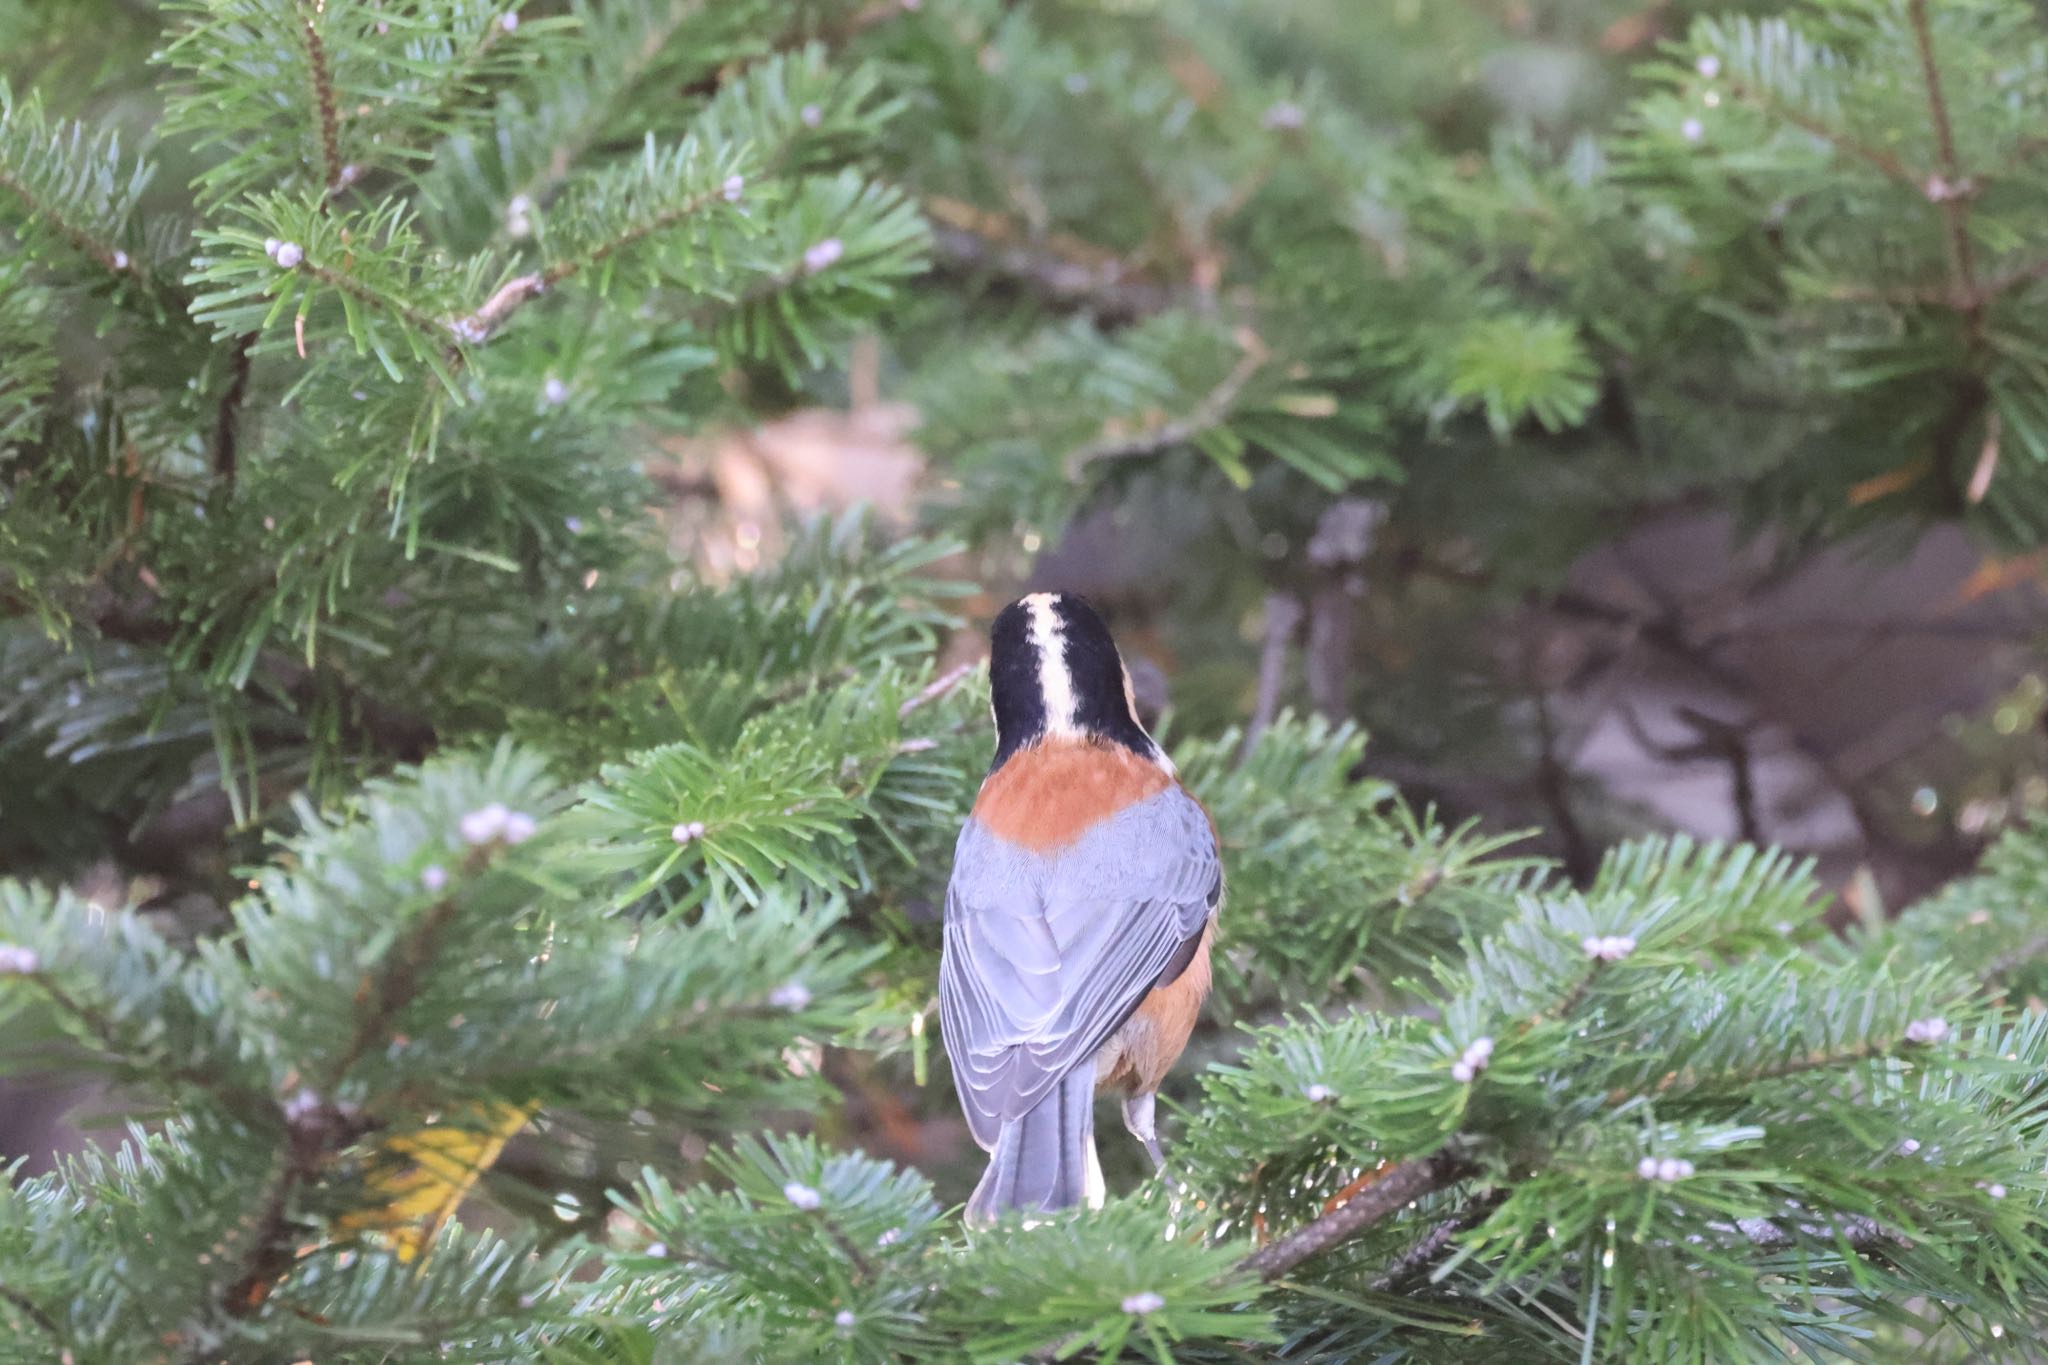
point(1079, 916)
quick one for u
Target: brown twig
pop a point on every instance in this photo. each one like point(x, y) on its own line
point(229, 416)
point(112, 257)
point(490, 315)
point(1717, 740)
point(1951, 190)
point(321, 78)
point(28, 1309)
point(935, 689)
point(1417, 1261)
point(354, 288)
point(315, 1134)
point(1770, 1071)
point(1208, 412)
point(1834, 137)
point(1392, 1192)
point(1108, 290)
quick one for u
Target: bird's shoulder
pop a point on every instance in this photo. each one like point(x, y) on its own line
point(1049, 796)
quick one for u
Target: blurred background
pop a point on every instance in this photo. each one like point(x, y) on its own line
point(1533, 383)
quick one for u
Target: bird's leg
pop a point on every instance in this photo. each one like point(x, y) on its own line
point(1138, 1118)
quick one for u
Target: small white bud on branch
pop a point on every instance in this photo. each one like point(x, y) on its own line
point(823, 255)
point(482, 826)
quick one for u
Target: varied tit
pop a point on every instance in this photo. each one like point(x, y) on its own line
point(1078, 921)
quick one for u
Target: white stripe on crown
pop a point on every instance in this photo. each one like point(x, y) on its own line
point(1055, 682)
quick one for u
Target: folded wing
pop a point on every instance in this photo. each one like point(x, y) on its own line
point(1047, 955)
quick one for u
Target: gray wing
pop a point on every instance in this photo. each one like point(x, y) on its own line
point(1046, 957)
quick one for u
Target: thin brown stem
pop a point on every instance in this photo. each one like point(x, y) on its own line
point(108, 255)
point(313, 1135)
point(1208, 412)
point(27, 1307)
point(321, 79)
point(1877, 157)
point(1952, 194)
point(354, 288)
point(1112, 293)
point(1747, 1076)
point(935, 689)
point(228, 419)
point(619, 86)
point(1417, 1261)
point(689, 208)
point(112, 1046)
point(1388, 1195)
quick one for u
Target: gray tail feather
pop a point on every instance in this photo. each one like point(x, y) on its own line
point(1045, 1159)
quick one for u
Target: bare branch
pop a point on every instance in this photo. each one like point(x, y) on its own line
point(1108, 290)
point(1859, 1232)
point(935, 689)
point(229, 416)
point(1385, 1197)
point(28, 1309)
point(1283, 618)
point(1417, 1261)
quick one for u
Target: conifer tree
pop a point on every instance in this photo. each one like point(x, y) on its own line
point(327, 560)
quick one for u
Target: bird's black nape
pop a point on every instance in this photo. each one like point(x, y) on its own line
point(1054, 670)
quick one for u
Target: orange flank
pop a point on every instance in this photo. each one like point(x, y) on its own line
point(1047, 796)
point(1151, 1041)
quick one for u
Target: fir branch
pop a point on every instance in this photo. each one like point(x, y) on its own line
point(568, 150)
point(63, 182)
point(34, 1313)
point(1951, 189)
point(1877, 157)
point(344, 283)
point(321, 81)
point(316, 1132)
point(1417, 1261)
point(1859, 1232)
point(459, 82)
point(115, 1047)
point(143, 619)
point(1770, 1071)
point(270, 1253)
point(108, 255)
point(1210, 411)
point(1388, 1195)
point(391, 991)
point(1111, 292)
point(632, 233)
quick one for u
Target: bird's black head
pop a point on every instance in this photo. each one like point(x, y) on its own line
point(1055, 671)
